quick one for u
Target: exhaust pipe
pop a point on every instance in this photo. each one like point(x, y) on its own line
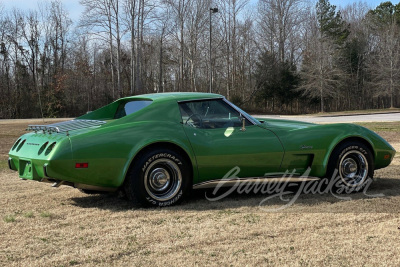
point(58, 183)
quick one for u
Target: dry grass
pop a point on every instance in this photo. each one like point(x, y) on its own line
point(44, 226)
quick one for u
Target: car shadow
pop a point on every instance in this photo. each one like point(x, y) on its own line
point(106, 201)
point(378, 197)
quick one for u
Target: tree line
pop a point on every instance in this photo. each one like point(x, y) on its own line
point(274, 56)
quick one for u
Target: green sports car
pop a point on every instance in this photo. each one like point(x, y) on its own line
point(157, 147)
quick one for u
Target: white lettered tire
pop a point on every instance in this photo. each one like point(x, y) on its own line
point(351, 165)
point(159, 178)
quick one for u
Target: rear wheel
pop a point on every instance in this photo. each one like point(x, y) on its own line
point(159, 178)
point(352, 166)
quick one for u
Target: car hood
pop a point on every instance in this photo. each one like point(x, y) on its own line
point(285, 124)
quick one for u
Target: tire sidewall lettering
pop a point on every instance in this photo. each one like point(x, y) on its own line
point(144, 167)
point(159, 156)
point(166, 203)
point(342, 151)
point(349, 148)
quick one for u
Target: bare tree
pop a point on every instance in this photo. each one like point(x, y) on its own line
point(132, 11)
point(32, 36)
point(385, 47)
point(179, 9)
point(115, 11)
point(59, 23)
point(99, 21)
point(280, 21)
point(345, 59)
point(355, 57)
point(230, 14)
point(321, 75)
point(247, 56)
point(196, 21)
point(5, 81)
point(16, 51)
point(164, 25)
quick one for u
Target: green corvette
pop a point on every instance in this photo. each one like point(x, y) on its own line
point(157, 147)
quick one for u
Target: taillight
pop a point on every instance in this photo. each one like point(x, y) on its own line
point(82, 165)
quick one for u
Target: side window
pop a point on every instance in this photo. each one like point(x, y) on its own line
point(130, 107)
point(210, 114)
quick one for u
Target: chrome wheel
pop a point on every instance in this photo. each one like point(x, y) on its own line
point(353, 168)
point(163, 179)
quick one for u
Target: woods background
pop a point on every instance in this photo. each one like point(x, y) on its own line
point(275, 56)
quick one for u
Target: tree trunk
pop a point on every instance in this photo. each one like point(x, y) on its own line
point(116, 13)
point(160, 78)
point(132, 18)
point(111, 48)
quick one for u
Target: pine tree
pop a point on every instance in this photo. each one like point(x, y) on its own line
point(276, 80)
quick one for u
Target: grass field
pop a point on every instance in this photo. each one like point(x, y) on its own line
point(45, 226)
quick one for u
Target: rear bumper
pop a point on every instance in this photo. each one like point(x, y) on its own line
point(29, 169)
point(40, 172)
point(9, 164)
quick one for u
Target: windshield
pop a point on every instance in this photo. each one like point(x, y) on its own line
point(249, 117)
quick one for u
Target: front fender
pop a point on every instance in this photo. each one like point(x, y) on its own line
point(379, 146)
point(319, 141)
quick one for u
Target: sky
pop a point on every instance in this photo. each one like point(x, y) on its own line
point(75, 9)
point(72, 6)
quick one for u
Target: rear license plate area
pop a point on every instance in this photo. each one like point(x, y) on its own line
point(25, 169)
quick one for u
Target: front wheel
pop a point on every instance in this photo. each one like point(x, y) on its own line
point(159, 178)
point(352, 166)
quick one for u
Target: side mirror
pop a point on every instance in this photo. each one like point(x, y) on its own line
point(243, 119)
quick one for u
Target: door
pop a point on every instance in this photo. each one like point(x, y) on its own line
point(214, 129)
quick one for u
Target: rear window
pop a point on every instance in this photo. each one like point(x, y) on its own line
point(127, 108)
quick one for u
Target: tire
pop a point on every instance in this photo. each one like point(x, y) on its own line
point(351, 165)
point(159, 178)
